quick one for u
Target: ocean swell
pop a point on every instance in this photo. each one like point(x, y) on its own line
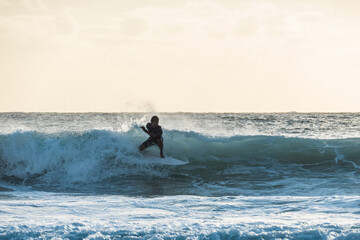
point(98, 155)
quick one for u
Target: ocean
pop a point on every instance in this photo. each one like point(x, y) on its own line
point(248, 176)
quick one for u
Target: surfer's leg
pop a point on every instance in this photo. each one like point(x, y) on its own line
point(146, 144)
point(159, 142)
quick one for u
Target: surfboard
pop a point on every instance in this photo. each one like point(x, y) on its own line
point(166, 161)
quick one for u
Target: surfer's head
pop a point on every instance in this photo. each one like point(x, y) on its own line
point(155, 120)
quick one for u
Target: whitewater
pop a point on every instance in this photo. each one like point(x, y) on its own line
point(248, 176)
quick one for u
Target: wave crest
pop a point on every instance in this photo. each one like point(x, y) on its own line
point(99, 155)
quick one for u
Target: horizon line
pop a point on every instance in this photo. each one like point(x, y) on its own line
point(179, 112)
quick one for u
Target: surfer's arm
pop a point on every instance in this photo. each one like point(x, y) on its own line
point(144, 129)
point(150, 134)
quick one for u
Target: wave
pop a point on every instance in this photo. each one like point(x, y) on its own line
point(259, 231)
point(100, 155)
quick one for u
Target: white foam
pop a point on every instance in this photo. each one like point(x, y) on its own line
point(106, 216)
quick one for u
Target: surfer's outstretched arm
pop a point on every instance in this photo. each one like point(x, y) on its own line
point(144, 129)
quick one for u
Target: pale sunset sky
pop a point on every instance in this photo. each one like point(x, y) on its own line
point(178, 55)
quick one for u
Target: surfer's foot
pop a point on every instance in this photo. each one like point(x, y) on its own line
point(162, 156)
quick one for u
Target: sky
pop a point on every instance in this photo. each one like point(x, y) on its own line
point(179, 56)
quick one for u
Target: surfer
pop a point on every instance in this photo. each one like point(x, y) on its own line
point(155, 132)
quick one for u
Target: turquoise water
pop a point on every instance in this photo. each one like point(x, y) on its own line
point(248, 176)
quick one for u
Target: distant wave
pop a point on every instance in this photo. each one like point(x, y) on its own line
point(98, 155)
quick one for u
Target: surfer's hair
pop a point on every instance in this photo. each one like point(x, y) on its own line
point(154, 118)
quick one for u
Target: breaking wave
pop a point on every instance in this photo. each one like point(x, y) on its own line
point(98, 155)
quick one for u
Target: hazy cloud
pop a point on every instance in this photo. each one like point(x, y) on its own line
point(65, 24)
point(241, 51)
point(23, 7)
point(133, 26)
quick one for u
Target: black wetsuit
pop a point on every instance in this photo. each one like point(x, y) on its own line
point(153, 140)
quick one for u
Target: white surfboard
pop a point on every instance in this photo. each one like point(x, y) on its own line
point(165, 161)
